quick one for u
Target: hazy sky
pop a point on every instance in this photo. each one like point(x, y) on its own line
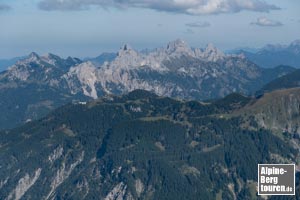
point(89, 27)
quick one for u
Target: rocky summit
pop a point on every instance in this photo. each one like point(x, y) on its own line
point(176, 70)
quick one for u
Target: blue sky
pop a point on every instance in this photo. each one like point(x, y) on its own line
point(89, 27)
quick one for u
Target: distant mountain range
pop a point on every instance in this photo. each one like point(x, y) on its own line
point(175, 70)
point(102, 58)
point(38, 84)
point(274, 55)
point(267, 57)
point(142, 146)
point(172, 123)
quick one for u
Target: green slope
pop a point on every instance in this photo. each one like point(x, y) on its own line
point(290, 80)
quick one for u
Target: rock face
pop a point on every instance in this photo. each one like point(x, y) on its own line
point(117, 193)
point(176, 70)
point(24, 184)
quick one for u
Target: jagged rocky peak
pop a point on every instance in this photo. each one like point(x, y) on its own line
point(51, 56)
point(125, 50)
point(126, 56)
point(32, 57)
point(212, 53)
point(35, 58)
point(210, 48)
point(178, 46)
point(74, 60)
point(21, 70)
point(178, 43)
point(126, 47)
point(51, 59)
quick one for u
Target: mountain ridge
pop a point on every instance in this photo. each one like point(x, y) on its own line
point(175, 70)
point(139, 146)
point(290, 80)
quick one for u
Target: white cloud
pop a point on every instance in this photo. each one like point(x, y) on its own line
point(192, 7)
point(198, 24)
point(263, 21)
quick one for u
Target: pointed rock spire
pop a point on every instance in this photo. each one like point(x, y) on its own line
point(179, 46)
point(33, 55)
point(212, 53)
point(126, 49)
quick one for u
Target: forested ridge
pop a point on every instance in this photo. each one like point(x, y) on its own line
point(140, 146)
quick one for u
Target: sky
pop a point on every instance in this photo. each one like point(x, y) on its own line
point(87, 28)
